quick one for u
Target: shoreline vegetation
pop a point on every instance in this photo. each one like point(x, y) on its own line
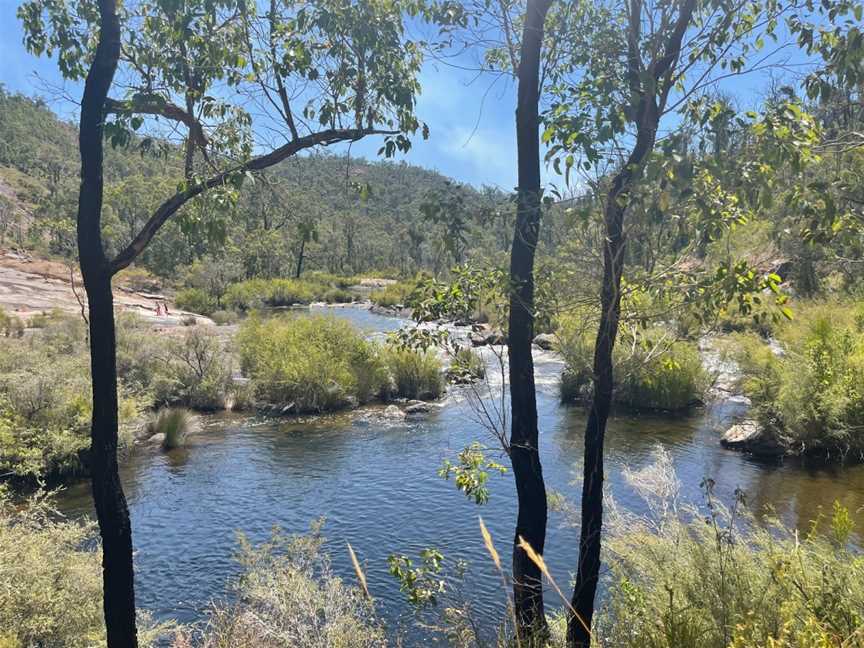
point(277, 365)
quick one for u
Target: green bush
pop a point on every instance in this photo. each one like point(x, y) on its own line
point(337, 296)
point(10, 325)
point(395, 294)
point(191, 367)
point(810, 395)
point(310, 363)
point(258, 293)
point(45, 402)
point(467, 366)
point(415, 374)
point(673, 380)
point(652, 371)
point(44, 319)
point(50, 583)
point(195, 300)
point(194, 371)
point(288, 597)
point(224, 317)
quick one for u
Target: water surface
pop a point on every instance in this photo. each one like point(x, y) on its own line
point(375, 482)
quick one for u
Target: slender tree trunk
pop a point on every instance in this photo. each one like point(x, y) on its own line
point(524, 436)
point(299, 268)
point(110, 502)
point(592, 486)
point(617, 200)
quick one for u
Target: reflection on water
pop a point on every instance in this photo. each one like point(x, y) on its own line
point(376, 484)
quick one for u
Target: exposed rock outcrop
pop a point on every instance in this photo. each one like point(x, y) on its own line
point(750, 436)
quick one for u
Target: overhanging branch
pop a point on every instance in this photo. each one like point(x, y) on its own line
point(157, 106)
point(173, 204)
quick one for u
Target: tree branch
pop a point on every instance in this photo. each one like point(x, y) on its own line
point(156, 105)
point(173, 204)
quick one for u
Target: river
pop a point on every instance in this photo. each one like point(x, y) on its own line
point(375, 482)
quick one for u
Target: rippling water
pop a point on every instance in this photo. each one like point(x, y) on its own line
point(375, 482)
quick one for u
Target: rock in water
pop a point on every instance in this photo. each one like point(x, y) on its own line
point(417, 407)
point(393, 412)
point(545, 341)
point(749, 436)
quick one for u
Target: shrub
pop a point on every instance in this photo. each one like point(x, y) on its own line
point(139, 279)
point(395, 294)
point(672, 380)
point(415, 374)
point(258, 293)
point(44, 319)
point(175, 423)
point(190, 368)
point(337, 296)
point(679, 582)
point(822, 357)
point(288, 597)
point(313, 363)
point(223, 317)
point(195, 300)
point(45, 403)
point(195, 371)
point(652, 371)
point(10, 325)
point(50, 582)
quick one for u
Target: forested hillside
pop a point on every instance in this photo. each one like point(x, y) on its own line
point(340, 214)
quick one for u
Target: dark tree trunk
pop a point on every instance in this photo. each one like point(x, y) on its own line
point(299, 268)
point(111, 509)
point(649, 93)
point(588, 571)
point(524, 441)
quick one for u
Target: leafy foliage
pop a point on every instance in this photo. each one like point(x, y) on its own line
point(472, 472)
point(50, 581)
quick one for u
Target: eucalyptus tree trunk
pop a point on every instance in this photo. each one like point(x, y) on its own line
point(649, 93)
point(110, 502)
point(299, 268)
point(524, 441)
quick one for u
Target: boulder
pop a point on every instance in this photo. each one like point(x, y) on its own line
point(496, 337)
point(393, 412)
point(417, 407)
point(477, 339)
point(545, 341)
point(156, 439)
point(750, 436)
point(484, 334)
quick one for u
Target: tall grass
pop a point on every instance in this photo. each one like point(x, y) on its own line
point(310, 363)
point(415, 374)
point(808, 392)
point(395, 294)
point(653, 370)
point(714, 577)
point(175, 423)
point(259, 293)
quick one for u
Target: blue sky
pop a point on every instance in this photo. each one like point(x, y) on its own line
point(471, 118)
